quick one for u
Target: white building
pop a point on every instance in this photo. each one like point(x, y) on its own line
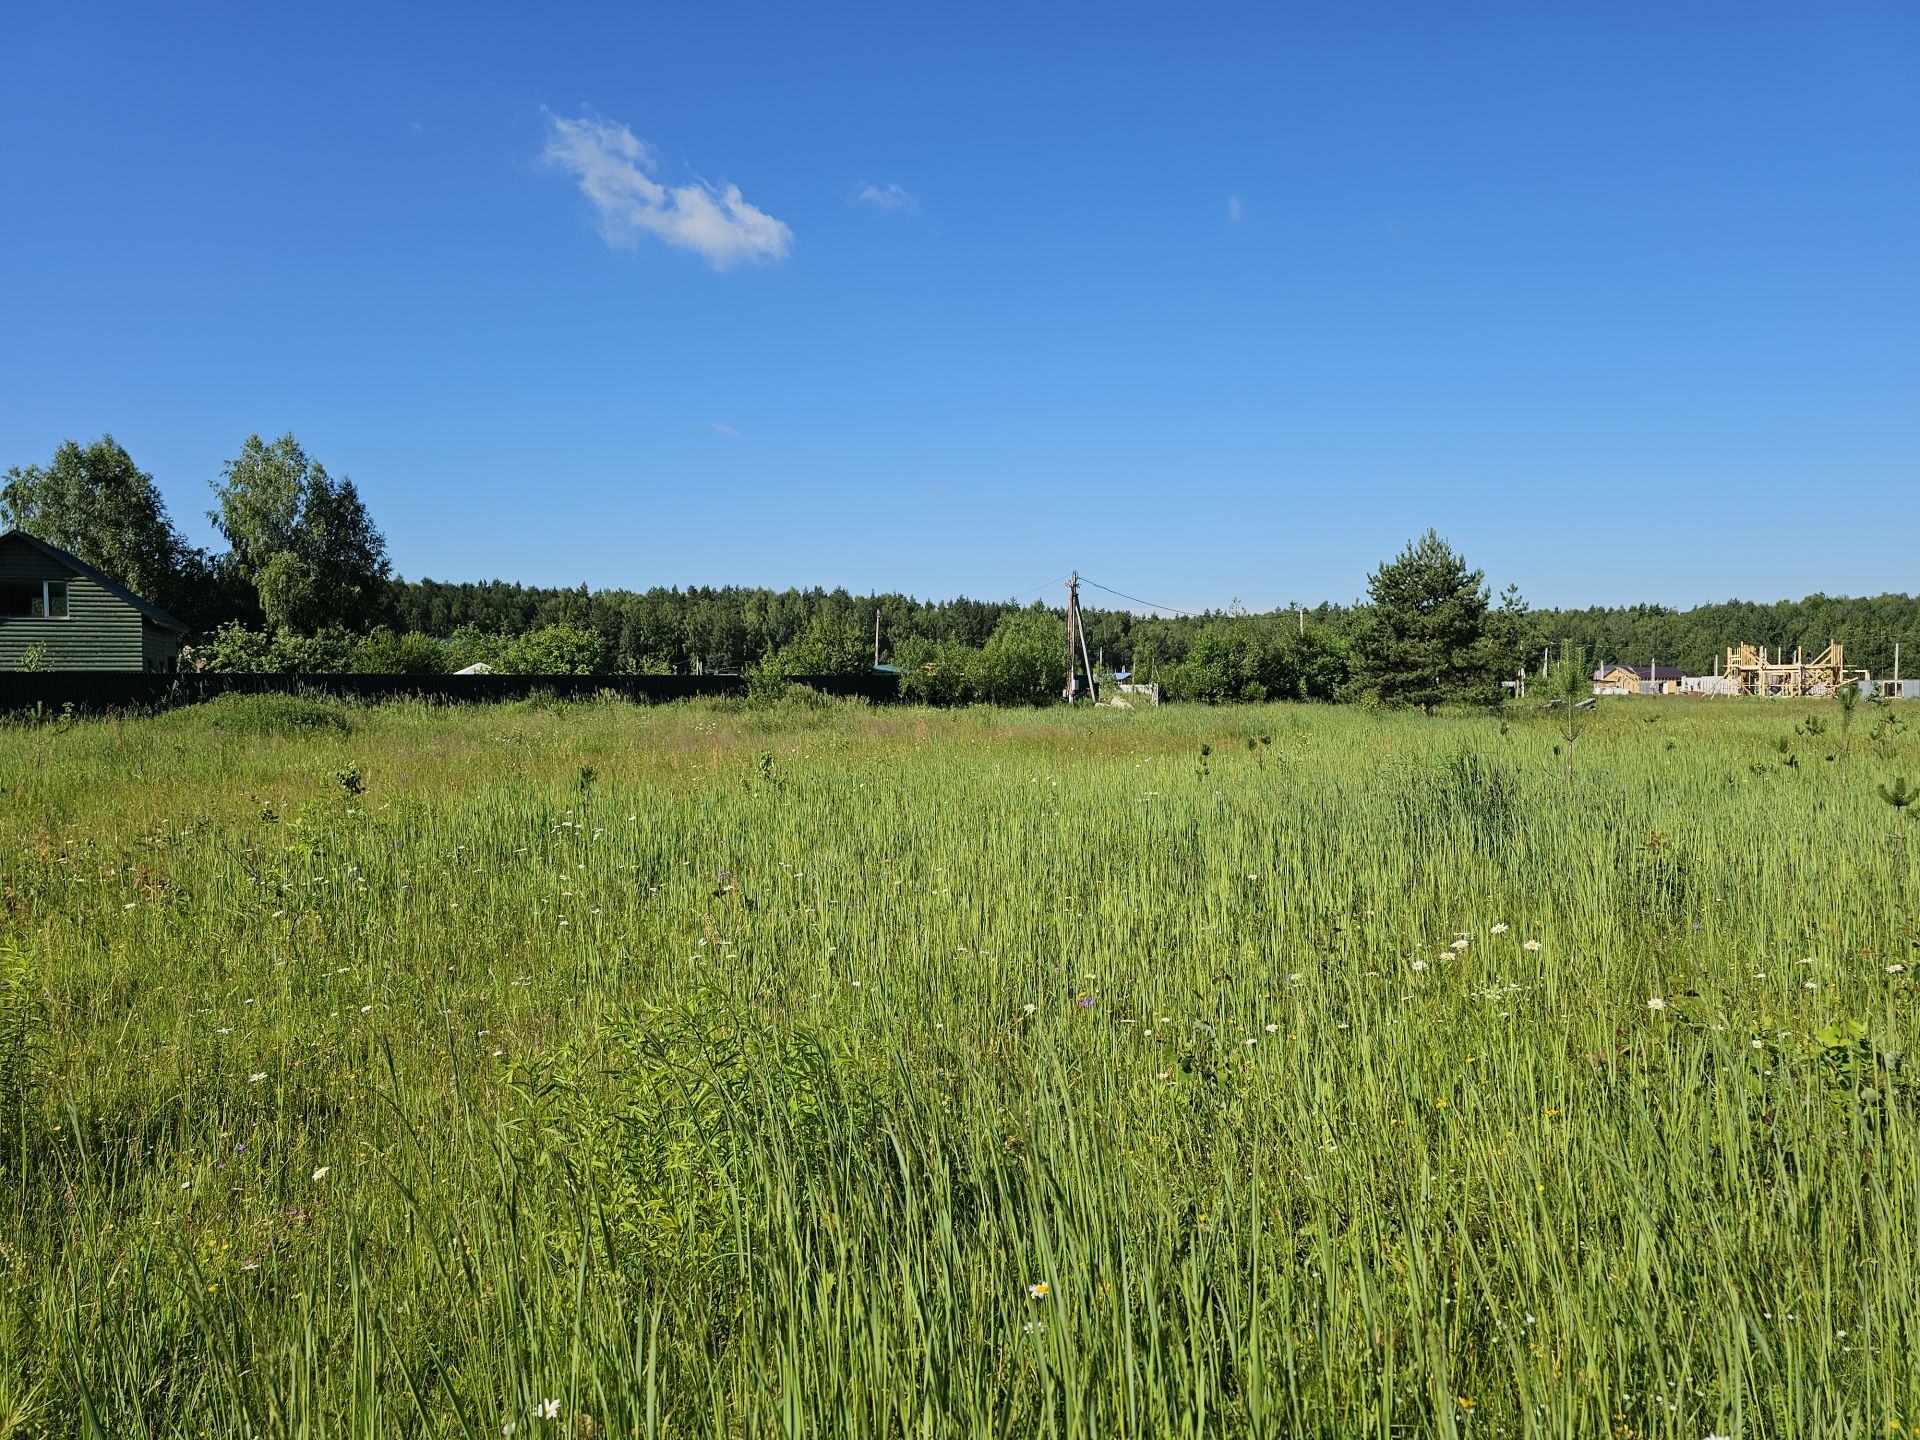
point(1705, 685)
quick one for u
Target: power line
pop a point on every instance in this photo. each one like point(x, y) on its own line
point(1038, 588)
point(1135, 598)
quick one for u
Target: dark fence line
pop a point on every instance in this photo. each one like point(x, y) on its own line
point(95, 692)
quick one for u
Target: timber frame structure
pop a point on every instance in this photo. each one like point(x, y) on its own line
point(1750, 672)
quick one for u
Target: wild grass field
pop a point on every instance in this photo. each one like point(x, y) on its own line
point(595, 1070)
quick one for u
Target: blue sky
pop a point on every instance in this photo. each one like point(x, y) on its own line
point(1623, 299)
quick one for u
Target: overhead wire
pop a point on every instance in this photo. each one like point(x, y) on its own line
point(1108, 589)
point(1038, 588)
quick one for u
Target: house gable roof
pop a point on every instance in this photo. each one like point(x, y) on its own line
point(80, 567)
point(1643, 672)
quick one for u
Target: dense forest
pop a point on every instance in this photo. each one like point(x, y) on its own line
point(306, 585)
point(729, 628)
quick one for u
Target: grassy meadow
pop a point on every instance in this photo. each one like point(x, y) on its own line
point(599, 1070)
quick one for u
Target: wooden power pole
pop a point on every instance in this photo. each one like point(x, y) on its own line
point(1077, 647)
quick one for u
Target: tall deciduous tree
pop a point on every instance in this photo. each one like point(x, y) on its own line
point(1024, 660)
point(300, 539)
point(1424, 641)
point(95, 503)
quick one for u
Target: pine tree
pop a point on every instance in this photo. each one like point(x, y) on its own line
point(1424, 641)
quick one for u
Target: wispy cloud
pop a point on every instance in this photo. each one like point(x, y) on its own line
point(1233, 207)
point(719, 429)
point(891, 198)
point(615, 169)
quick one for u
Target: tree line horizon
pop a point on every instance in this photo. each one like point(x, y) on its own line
point(306, 586)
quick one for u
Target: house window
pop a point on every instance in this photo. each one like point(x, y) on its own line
point(33, 599)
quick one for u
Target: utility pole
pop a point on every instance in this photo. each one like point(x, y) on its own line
point(1093, 685)
point(1073, 590)
point(1077, 629)
point(876, 637)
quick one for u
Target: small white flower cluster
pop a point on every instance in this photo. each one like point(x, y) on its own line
point(542, 1410)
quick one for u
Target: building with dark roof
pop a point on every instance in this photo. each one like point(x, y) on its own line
point(59, 613)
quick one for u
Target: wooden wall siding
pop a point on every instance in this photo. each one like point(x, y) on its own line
point(99, 632)
point(23, 562)
point(160, 649)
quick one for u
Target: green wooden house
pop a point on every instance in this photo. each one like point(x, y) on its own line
point(59, 613)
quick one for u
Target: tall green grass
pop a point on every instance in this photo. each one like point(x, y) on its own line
point(834, 1072)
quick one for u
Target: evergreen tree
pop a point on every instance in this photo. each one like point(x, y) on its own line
point(1424, 642)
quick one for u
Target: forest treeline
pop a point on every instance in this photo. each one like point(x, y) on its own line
point(729, 627)
point(305, 585)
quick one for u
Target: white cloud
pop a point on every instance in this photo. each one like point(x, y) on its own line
point(615, 170)
point(720, 429)
point(1233, 207)
point(891, 198)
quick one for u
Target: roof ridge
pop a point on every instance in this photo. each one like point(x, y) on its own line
point(80, 567)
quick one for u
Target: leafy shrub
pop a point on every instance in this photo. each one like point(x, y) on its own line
point(234, 649)
point(824, 647)
point(936, 672)
point(1023, 662)
point(1854, 1073)
point(767, 683)
point(386, 653)
point(556, 650)
point(1260, 658)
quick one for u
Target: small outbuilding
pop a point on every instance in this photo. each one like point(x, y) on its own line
point(59, 613)
point(1637, 680)
point(1705, 685)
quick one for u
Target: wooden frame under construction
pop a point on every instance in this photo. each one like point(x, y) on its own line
point(1750, 672)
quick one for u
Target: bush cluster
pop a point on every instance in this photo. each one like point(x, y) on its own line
point(550, 650)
